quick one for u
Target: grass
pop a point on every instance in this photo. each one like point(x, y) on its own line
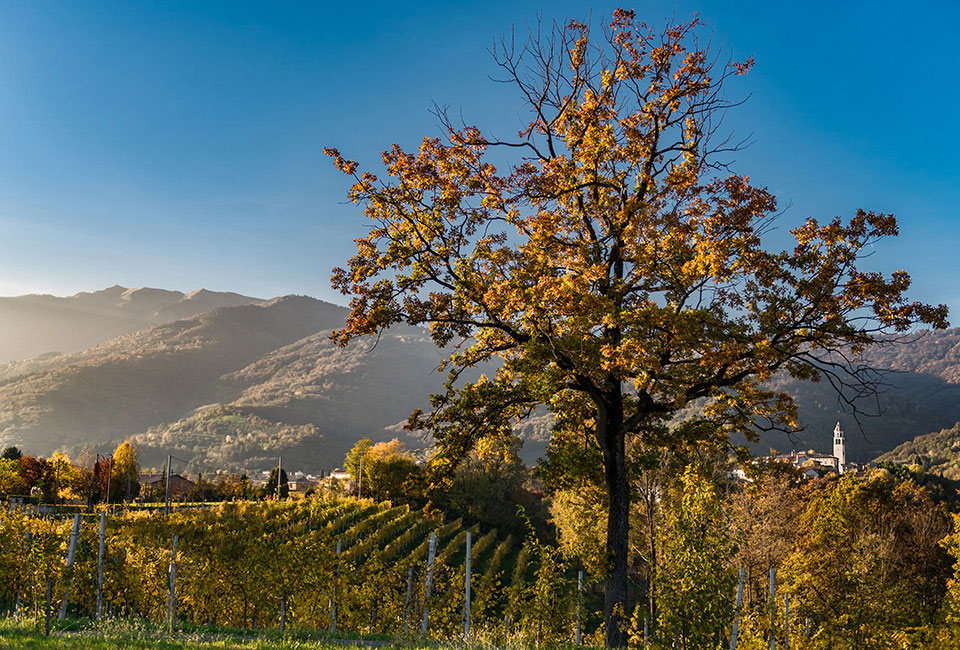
point(124, 634)
point(24, 634)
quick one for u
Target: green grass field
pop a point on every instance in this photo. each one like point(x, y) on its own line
point(25, 634)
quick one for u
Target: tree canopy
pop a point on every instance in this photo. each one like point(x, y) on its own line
point(387, 468)
point(277, 481)
point(613, 265)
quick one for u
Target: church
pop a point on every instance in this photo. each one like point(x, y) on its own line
point(814, 464)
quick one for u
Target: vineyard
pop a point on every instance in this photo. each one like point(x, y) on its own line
point(348, 566)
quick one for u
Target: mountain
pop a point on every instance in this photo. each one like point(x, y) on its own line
point(34, 325)
point(150, 377)
point(235, 387)
point(920, 394)
point(229, 389)
point(937, 453)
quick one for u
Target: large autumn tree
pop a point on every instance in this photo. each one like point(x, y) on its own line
point(610, 263)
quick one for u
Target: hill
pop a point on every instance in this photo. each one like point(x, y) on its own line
point(33, 325)
point(148, 378)
point(235, 387)
point(309, 401)
point(936, 453)
point(921, 393)
point(231, 389)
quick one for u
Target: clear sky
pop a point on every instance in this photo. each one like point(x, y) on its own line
point(179, 144)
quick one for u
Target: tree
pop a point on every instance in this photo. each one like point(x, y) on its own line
point(39, 473)
point(951, 609)
point(613, 266)
point(766, 517)
point(388, 469)
point(867, 558)
point(355, 460)
point(10, 480)
point(11, 453)
point(103, 487)
point(125, 473)
point(70, 480)
point(270, 489)
point(695, 572)
point(489, 488)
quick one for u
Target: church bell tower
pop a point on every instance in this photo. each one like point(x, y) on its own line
point(838, 448)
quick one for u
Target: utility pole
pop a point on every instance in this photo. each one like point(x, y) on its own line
point(109, 473)
point(360, 479)
point(96, 477)
point(166, 509)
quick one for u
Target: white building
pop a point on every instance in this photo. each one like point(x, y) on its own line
point(839, 450)
point(811, 462)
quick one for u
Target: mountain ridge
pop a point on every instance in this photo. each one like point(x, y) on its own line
point(228, 387)
point(142, 379)
point(37, 324)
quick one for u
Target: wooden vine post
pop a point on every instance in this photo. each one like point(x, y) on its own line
point(49, 604)
point(172, 596)
point(736, 612)
point(406, 607)
point(773, 609)
point(579, 602)
point(100, 553)
point(786, 621)
point(431, 553)
point(466, 590)
point(71, 555)
point(336, 589)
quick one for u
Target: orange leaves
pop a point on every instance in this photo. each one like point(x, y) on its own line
point(348, 167)
point(743, 67)
point(605, 250)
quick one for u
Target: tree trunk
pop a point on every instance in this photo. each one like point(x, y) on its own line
point(610, 433)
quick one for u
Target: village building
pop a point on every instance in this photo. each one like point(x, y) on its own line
point(179, 485)
point(814, 464)
point(301, 482)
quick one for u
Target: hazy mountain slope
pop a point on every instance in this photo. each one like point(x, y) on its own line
point(938, 453)
point(363, 390)
point(151, 377)
point(33, 325)
point(922, 394)
point(235, 387)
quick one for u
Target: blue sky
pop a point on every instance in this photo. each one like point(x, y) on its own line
point(179, 145)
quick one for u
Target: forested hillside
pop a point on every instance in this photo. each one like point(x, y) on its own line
point(149, 378)
point(937, 453)
point(310, 401)
point(920, 394)
point(237, 386)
